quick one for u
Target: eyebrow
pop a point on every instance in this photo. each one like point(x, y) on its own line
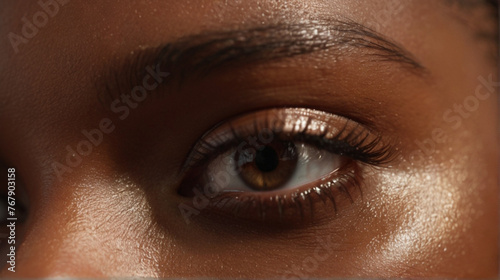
point(199, 55)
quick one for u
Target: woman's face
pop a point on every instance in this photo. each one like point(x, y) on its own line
point(210, 138)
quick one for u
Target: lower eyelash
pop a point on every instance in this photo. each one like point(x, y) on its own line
point(299, 208)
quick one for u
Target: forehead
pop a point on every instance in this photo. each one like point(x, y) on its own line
point(111, 30)
point(139, 24)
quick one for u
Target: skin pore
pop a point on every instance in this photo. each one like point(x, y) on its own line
point(407, 71)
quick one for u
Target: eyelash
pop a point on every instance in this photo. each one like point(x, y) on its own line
point(353, 141)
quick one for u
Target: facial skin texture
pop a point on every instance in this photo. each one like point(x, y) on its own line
point(431, 214)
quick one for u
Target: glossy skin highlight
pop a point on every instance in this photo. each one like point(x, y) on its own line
point(429, 214)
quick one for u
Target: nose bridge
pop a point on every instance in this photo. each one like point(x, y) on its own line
point(91, 231)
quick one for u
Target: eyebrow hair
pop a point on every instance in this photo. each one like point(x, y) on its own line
point(198, 55)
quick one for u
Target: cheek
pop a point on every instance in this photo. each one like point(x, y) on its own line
point(96, 225)
point(430, 222)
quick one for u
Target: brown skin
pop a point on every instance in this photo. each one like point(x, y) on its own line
point(436, 217)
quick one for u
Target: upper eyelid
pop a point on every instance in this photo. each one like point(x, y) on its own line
point(375, 151)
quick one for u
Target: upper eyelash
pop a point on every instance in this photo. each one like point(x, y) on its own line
point(354, 143)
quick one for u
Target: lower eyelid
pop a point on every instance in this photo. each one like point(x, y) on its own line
point(315, 203)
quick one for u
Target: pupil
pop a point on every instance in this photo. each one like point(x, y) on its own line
point(267, 159)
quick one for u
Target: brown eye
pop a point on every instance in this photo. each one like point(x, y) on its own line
point(269, 167)
point(276, 165)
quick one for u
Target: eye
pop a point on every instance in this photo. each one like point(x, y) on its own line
point(279, 165)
